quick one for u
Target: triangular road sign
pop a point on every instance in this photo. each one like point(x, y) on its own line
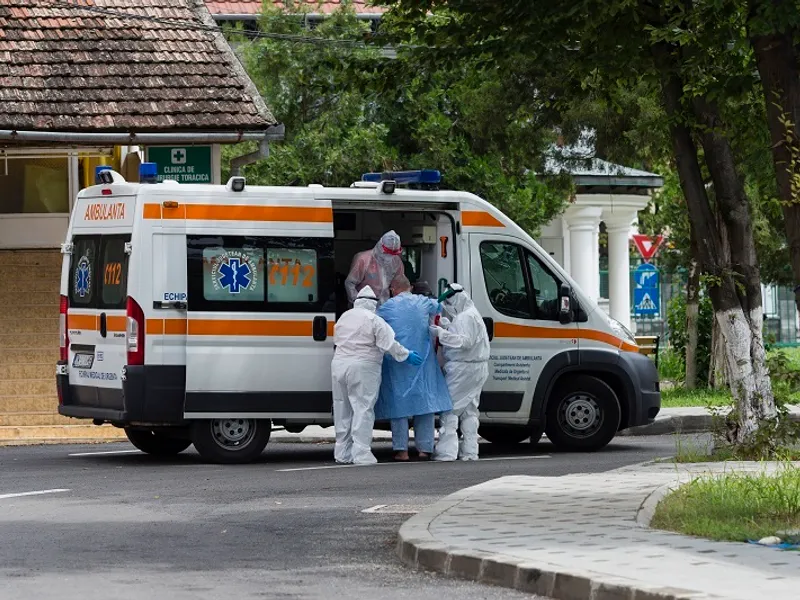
point(646, 245)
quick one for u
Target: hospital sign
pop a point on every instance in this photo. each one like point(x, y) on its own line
point(184, 164)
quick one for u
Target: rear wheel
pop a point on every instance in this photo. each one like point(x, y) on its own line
point(156, 444)
point(508, 435)
point(231, 441)
point(583, 414)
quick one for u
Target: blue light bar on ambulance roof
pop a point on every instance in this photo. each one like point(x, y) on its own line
point(148, 172)
point(429, 176)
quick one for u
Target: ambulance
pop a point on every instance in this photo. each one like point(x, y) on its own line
point(204, 314)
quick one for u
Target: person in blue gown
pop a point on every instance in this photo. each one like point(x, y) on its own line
point(407, 392)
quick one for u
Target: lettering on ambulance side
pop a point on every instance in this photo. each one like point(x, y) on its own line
point(101, 211)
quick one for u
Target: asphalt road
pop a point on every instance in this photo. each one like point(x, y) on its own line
point(288, 527)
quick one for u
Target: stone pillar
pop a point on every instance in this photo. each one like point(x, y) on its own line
point(619, 266)
point(583, 223)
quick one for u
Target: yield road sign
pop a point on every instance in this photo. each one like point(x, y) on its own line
point(646, 245)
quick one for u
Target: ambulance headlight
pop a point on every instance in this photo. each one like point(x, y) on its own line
point(621, 331)
point(236, 184)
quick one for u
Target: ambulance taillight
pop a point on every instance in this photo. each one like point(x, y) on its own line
point(63, 336)
point(134, 333)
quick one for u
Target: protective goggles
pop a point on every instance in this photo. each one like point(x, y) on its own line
point(448, 293)
point(387, 250)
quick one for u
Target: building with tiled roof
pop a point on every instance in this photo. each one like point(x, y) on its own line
point(120, 66)
point(85, 83)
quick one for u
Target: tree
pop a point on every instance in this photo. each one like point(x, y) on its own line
point(349, 109)
point(597, 44)
point(773, 27)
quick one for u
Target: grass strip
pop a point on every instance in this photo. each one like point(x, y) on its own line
point(733, 507)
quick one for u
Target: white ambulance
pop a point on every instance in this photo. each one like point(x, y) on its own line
point(203, 314)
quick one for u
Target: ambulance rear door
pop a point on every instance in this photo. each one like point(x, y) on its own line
point(97, 294)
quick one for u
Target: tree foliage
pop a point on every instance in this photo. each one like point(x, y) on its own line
point(350, 109)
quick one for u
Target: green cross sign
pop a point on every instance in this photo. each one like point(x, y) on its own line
point(184, 164)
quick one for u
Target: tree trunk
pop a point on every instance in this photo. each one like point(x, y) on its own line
point(692, 318)
point(737, 310)
point(777, 59)
point(742, 324)
point(717, 373)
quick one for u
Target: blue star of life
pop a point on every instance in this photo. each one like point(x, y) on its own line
point(235, 275)
point(82, 278)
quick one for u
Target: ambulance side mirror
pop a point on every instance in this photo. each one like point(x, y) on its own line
point(565, 304)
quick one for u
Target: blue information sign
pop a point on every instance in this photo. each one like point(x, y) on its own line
point(646, 294)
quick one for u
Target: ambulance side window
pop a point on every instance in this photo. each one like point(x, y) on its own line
point(504, 275)
point(260, 274)
point(545, 290)
point(113, 279)
point(83, 277)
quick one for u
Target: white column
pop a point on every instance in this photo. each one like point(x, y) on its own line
point(619, 266)
point(583, 223)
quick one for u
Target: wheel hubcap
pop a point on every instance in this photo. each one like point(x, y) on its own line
point(233, 434)
point(580, 415)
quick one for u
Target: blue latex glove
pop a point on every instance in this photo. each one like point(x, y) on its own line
point(414, 359)
point(439, 308)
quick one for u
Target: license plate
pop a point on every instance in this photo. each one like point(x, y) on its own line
point(83, 361)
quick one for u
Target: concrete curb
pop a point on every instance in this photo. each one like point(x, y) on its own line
point(417, 548)
point(673, 424)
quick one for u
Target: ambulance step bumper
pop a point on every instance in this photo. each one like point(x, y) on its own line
point(149, 394)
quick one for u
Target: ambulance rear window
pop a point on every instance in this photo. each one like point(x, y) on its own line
point(98, 275)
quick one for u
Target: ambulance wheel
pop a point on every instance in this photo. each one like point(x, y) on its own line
point(583, 414)
point(231, 441)
point(506, 435)
point(156, 444)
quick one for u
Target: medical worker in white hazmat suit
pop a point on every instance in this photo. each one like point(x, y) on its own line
point(361, 338)
point(465, 346)
point(376, 268)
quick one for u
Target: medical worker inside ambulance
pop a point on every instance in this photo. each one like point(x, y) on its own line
point(376, 268)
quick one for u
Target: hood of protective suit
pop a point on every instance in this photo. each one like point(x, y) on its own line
point(459, 302)
point(366, 299)
point(388, 248)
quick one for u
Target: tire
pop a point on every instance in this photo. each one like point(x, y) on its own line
point(231, 441)
point(504, 435)
point(156, 444)
point(583, 414)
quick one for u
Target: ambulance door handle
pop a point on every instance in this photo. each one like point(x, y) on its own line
point(103, 325)
point(320, 329)
point(489, 322)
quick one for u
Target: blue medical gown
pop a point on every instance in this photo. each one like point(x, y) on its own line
point(407, 390)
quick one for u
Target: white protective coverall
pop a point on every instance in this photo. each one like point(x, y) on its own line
point(376, 268)
point(465, 345)
point(361, 338)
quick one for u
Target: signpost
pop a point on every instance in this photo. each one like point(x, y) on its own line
point(646, 294)
point(184, 164)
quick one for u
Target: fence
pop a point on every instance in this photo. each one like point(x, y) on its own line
point(780, 315)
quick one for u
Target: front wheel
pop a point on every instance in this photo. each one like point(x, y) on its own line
point(231, 441)
point(156, 444)
point(583, 414)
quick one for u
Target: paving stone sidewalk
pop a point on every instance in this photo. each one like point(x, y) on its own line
point(583, 537)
